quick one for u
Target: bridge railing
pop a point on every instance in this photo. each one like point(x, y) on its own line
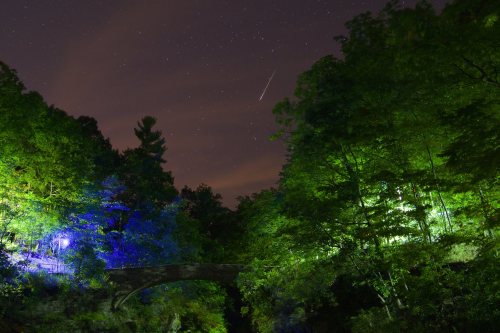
point(32, 263)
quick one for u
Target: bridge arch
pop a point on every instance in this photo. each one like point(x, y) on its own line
point(129, 281)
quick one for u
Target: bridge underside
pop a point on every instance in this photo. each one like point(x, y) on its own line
point(129, 281)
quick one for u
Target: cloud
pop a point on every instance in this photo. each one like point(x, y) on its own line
point(264, 169)
point(91, 64)
point(140, 60)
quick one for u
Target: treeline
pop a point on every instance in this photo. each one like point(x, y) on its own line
point(385, 218)
point(67, 195)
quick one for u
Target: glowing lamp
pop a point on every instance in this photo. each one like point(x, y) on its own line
point(60, 242)
point(64, 243)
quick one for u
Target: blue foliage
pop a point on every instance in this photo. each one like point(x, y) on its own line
point(143, 242)
point(106, 233)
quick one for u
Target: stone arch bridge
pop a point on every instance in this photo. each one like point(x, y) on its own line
point(129, 281)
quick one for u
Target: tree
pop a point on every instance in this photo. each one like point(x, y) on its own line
point(45, 158)
point(104, 157)
point(218, 227)
point(148, 184)
point(391, 172)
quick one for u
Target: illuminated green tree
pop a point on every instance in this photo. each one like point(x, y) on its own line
point(393, 165)
point(45, 157)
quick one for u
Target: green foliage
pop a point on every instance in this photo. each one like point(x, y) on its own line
point(282, 297)
point(47, 158)
point(57, 174)
point(385, 218)
point(214, 228)
point(392, 176)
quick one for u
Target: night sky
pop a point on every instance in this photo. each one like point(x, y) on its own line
point(199, 67)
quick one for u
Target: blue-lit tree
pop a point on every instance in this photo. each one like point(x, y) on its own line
point(109, 234)
point(143, 241)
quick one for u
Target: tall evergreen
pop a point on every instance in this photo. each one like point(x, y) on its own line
point(149, 186)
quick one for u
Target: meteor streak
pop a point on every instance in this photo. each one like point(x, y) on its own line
point(267, 85)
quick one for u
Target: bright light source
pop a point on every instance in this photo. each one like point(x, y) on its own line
point(64, 243)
